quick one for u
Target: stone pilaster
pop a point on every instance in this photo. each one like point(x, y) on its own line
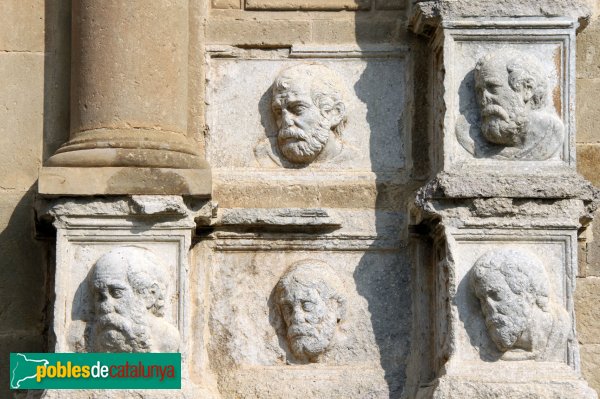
point(499, 223)
point(129, 104)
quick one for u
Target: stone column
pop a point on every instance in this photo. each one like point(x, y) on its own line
point(129, 104)
point(500, 220)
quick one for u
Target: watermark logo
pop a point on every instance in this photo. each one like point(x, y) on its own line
point(95, 370)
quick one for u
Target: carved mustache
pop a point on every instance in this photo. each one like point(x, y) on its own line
point(296, 331)
point(286, 134)
point(496, 110)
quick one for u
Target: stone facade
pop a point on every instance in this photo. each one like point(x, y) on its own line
point(332, 198)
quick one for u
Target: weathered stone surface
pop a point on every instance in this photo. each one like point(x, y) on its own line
point(589, 260)
point(588, 110)
point(21, 119)
point(129, 285)
point(587, 297)
point(124, 180)
point(390, 4)
point(263, 32)
point(226, 4)
point(523, 316)
point(504, 8)
point(518, 117)
point(587, 162)
point(588, 55)
point(244, 306)
point(374, 100)
point(590, 364)
point(24, 266)
point(361, 30)
point(131, 111)
point(307, 4)
point(25, 32)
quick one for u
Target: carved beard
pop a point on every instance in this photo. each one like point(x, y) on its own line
point(308, 341)
point(506, 330)
point(299, 147)
point(501, 128)
point(113, 332)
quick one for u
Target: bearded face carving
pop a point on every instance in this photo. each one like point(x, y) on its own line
point(129, 289)
point(308, 105)
point(308, 298)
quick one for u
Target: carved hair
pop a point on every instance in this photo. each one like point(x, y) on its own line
point(326, 89)
point(523, 272)
point(145, 272)
point(524, 71)
point(314, 274)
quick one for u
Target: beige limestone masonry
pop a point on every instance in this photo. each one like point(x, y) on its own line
point(33, 124)
point(307, 4)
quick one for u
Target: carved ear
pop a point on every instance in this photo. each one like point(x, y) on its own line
point(150, 295)
point(527, 88)
point(337, 113)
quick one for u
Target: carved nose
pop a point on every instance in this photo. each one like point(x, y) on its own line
point(485, 97)
point(104, 307)
point(286, 118)
point(297, 316)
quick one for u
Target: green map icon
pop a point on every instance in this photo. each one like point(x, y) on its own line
point(23, 368)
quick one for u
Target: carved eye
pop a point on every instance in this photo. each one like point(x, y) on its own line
point(298, 109)
point(116, 292)
point(494, 295)
point(492, 88)
point(277, 111)
point(308, 306)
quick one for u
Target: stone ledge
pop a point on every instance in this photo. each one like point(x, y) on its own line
point(55, 181)
point(427, 14)
point(308, 4)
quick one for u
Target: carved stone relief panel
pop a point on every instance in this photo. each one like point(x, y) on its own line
point(509, 95)
point(514, 299)
point(129, 292)
point(509, 102)
point(125, 298)
point(523, 316)
point(318, 322)
point(324, 108)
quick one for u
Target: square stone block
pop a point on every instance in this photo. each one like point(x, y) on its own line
point(24, 28)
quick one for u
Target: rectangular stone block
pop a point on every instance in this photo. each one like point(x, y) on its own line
point(375, 100)
point(123, 181)
point(390, 4)
point(350, 31)
point(22, 27)
point(257, 32)
point(588, 109)
point(24, 263)
point(590, 365)
point(590, 258)
point(588, 159)
point(21, 119)
point(308, 4)
point(588, 52)
point(226, 4)
point(587, 297)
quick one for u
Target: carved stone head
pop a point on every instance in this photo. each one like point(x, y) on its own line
point(129, 288)
point(513, 94)
point(309, 298)
point(520, 312)
point(309, 107)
